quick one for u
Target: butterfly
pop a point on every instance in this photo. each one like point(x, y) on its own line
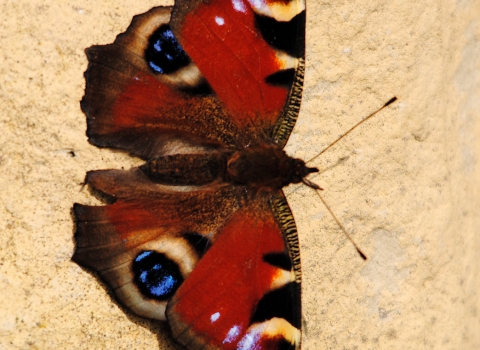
point(206, 92)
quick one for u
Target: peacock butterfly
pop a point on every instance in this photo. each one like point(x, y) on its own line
point(207, 93)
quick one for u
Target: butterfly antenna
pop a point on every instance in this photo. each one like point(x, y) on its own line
point(311, 184)
point(318, 189)
point(393, 99)
point(364, 257)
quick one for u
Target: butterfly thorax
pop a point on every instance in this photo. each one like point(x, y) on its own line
point(263, 168)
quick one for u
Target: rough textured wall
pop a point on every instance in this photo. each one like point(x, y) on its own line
point(405, 184)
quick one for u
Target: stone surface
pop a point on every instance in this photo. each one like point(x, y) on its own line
point(405, 184)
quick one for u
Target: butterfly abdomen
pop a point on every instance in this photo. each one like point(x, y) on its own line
point(187, 169)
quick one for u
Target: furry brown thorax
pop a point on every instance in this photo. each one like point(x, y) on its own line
point(265, 166)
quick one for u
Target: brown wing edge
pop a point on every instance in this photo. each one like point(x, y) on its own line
point(284, 217)
point(287, 120)
point(284, 126)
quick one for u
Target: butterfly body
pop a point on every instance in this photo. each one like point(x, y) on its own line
point(188, 169)
point(201, 235)
point(264, 168)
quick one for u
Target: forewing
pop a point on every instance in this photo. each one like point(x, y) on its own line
point(145, 95)
point(252, 55)
point(245, 292)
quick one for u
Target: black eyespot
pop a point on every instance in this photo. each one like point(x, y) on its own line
point(155, 275)
point(164, 54)
point(286, 36)
point(281, 303)
point(281, 78)
point(281, 260)
point(285, 345)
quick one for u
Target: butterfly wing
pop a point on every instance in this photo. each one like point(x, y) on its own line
point(245, 292)
point(149, 240)
point(252, 54)
point(145, 95)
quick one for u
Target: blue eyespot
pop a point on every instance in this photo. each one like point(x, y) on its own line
point(164, 54)
point(155, 275)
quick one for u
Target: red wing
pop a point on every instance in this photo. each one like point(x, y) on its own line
point(149, 240)
point(251, 53)
point(244, 293)
point(149, 111)
point(229, 85)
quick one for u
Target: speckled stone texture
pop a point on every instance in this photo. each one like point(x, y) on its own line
point(405, 184)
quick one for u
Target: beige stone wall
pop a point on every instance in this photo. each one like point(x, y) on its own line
point(405, 184)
